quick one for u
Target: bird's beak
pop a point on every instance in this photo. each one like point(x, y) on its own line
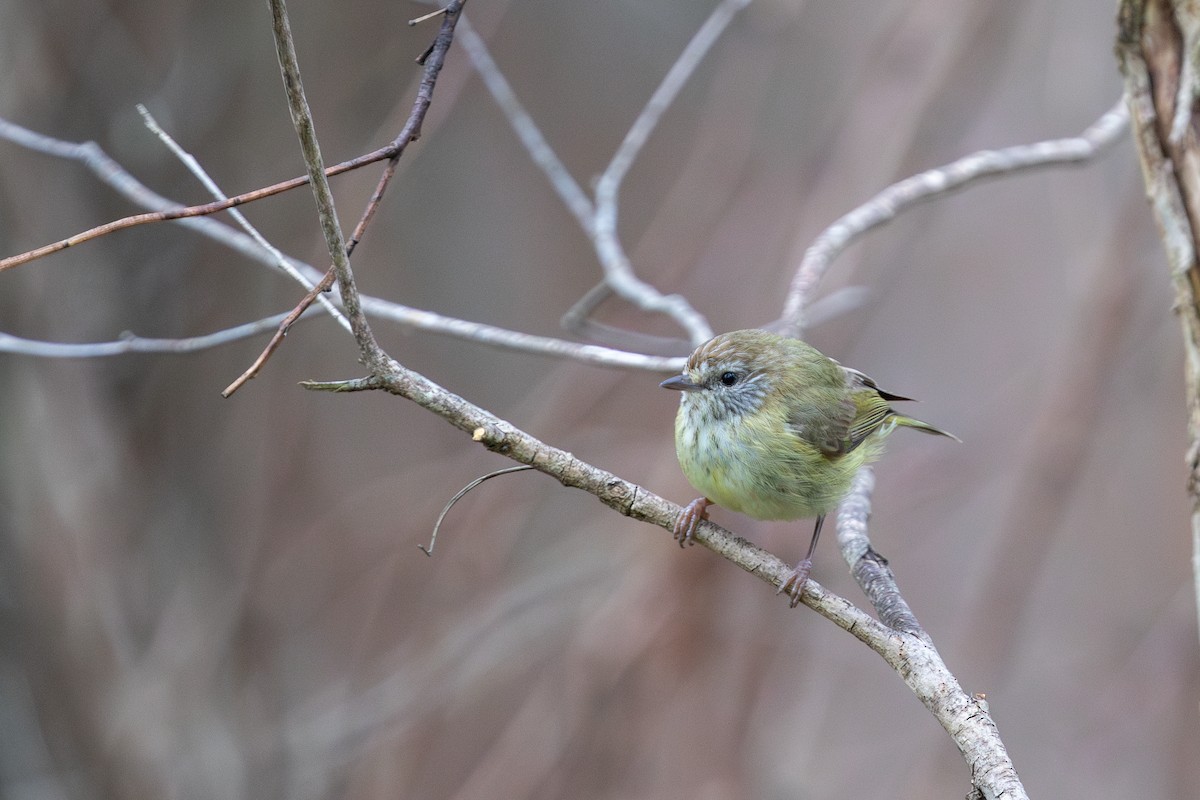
point(680, 383)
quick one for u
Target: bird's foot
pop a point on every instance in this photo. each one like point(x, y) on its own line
point(689, 518)
point(793, 585)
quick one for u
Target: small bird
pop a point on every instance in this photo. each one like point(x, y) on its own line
point(770, 427)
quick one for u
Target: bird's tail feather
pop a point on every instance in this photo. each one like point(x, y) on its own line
point(924, 427)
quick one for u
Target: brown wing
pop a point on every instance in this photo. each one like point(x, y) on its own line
point(825, 425)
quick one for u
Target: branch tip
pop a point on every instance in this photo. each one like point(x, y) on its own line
point(352, 385)
point(423, 18)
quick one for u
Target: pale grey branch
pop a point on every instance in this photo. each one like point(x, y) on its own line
point(93, 157)
point(194, 167)
point(130, 343)
point(598, 223)
point(938, 182)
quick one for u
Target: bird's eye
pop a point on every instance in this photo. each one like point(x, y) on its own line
point(729, 378)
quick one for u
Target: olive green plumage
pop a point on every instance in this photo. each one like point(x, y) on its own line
point(772, 428)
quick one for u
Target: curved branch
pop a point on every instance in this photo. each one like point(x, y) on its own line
point(934, 183)
point(598, 220)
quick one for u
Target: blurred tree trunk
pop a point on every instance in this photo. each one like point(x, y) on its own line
point(1158, 46)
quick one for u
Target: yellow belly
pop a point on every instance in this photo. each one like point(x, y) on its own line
point(766, 472)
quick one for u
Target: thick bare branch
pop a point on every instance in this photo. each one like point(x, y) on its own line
point(1156, 77)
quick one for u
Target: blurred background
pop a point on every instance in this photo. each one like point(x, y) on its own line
point(203, 597)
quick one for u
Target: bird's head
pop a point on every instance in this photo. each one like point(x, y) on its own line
point(730, 375)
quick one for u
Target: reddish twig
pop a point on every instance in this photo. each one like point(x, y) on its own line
point(202, 210)
point(410, 133)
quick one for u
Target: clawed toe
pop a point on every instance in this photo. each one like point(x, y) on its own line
point(689, 519)
point(793, 585)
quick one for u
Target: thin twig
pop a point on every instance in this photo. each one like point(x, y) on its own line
point(425, 17)
point(459, 495)
point(527, 131)
point(186, 212)
point(433, 59)
point(130, 343)
point(493, 336)
point(285, 324)
point(575, 319)
point(578, 321)
point(647, 120)
point(111, 173)
point(934, 183)
point(193, 166)
point(91, 151)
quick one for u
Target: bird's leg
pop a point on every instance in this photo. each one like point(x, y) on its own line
point(689, 518)
point(794, 585)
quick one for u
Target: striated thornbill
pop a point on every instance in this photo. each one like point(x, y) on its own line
point(770, 427)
